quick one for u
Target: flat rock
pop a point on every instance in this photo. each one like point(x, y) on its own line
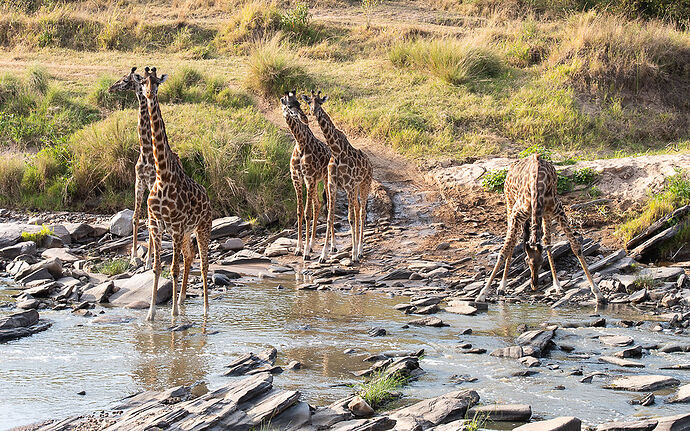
point(427, 321)
point(565, 423)
point(461, 307)
point(682, 396)
point(12, 251)
point(59, 253)
point(514, 352)
point(78, 231)
point(11, 233)
point(19, 320)
point(502, 412)
point(245, 256)
point(98, 293)
point(435, 411)
point(642, 383)
point(631, 352)
point(227, 226)
point(136, 290)
point(232, 244)
point(616, 340)
point(647, 425)
point(281, 247)
point(621, 362)
point(250, 361)
point(679, 422)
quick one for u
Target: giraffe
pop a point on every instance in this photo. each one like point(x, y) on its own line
point(531, 203)
point(308, 164)
point(145, 168)
point(349, 168)
point(176, 205)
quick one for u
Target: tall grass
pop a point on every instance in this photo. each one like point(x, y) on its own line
point(274, 69)
point(101, 97)
point(452, 60)
point(380, 388)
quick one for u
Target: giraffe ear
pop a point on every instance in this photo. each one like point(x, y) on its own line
point(133, 69)
point(305, 98)
point(324, 99)
point(163, 78)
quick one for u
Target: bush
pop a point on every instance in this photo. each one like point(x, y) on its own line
point(454, 61)
point(379, 389)
point(584, 176)
point(543, 152)
point(273, 70)
point(254, 21)
point(112, 267)
point(494, 181)
point(564, 184)
point(11, 174)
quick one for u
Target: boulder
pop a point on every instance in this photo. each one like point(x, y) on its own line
point(227, 226)
point(120, 224)
point(78, 231)
point(61, 232)
point(52, 265)
point(682, 396)
point(565, 423)
point(360, 408)
point(427, 321)
point(537, 339)
point(12, 251)
point(679, 422)
point(250, 362)
point(435, 411)
point(98, 293)
point(514, 352)
point(59, 253)
point(11, 233)
point(232, 244)
point(502, 412)
point(461, 307)
point(642, 383)
point(616, 340)
point(135, 292)
point(647, 425)
point(39, 274)
point(281, 247)
point(28, 304)
point(19, 320)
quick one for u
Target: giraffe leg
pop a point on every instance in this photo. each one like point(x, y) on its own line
point(308, 216)
point(352, 213)
point(316, 209)
point(155, 247)
point(149, 252)
point(297, 184)
point(139, 195)
point(363, 196)
point(577, 249)
point(188, 259)
point(203, 236)
point(517, 221)
point(546, 221)
point(175, 271)
point(332, 190)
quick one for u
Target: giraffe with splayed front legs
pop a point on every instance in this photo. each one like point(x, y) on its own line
point(348, 168)
point(176, 205)
point(532, 203)
point(308, 164)
point(145, 169)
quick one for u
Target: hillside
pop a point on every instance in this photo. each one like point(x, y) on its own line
point(433, 80)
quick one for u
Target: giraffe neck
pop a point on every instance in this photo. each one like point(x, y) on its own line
point(144, 126)
point(300, 131)
point(330, 132)
point(162, 154)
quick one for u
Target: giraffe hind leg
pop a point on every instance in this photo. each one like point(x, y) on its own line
point(187, 259)
point(203, 237)
point(175, 271)
point(547, 243)
point(155, 247)
point(139, 195)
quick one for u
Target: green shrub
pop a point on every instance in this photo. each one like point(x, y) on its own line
point(584, 176)
point(11, 173)
point(543, 152)
point(379, 389)
point(112, 267)
point(273, 69)
point(39, 236)
point(494, 181)
point(564, 184)
point(253, 22)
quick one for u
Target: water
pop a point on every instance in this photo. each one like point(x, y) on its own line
point(41, 375)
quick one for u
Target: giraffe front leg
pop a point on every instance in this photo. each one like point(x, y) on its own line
point(546, 221)
point(363, 196)
point(187, 259)
point(577, 250)
point(332, 191)
point(352, 216)
point(313, 197)
point(154, 235)
point(175, 271)
point(506, 255)
point(297, 184)
point(203, 237)
point(138, 197)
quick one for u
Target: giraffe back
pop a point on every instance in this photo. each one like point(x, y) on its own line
point(531, 185)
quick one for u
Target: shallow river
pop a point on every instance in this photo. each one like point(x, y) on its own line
point(41, 375)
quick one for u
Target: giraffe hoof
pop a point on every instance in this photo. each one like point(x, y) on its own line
point(297, 252)
point(306, 257)
point(149, 318)
point(322, 259)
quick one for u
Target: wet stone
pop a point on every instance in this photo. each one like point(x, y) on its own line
point(558, 424)
point(427, 321)
point(643, 383)
point(616, 340)
point(647, 425)
point(376, 332)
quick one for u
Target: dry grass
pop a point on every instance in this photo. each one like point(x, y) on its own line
point(274, 69)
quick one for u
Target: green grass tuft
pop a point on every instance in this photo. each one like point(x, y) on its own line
point(274, 69)
point(112, 267)
point(39, 236)
point(494, 181)
point(379, 389)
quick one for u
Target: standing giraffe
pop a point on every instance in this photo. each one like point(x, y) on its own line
point(145, 168)
point(309, 163)
point(176, 205)
point(531, 202)
point(350, 168)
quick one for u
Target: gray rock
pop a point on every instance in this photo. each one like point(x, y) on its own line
point(565, 423)
point(679, 422)
point(11, 233)
point(232, 244)
point(396, 274)
point(19, 320)
point(429, 309)
point(78, 231)
point(221, 280)
point(295, 418)
point(281, 247)
point(376, 332)
point(52, 265)
point(60, 232)
point(426, 301)
point(514, 352)
point(245, 256)
point(427, 321)
point(28, 304)
point(135, 292)
point(360, 408)
point(227, 226)
point(631, 352)
point(537, 339)
point(435, 411)
point(98, 293)
point(682, 396)
point(39, 274)
point(120, 224)
point(250, 362)
point(12, 251)
point(502, 412)
point(616, 340)
point(621, 362)
point(642, 383)
point(59, 253)
point(647, 425)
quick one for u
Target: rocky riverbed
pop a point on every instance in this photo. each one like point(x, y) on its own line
point(558, 354)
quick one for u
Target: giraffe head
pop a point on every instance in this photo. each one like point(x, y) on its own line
point(534, 259)
point(314, 102)
point(132, 81)
point(152, 81)
point(292, 108)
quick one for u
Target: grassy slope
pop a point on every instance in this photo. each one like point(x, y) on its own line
point(432, 84)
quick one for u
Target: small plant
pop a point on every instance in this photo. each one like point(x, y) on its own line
point(39, 236)
point(476, 423)
point(584, 176)
point(594, 192)
point(112, 267)
point(544, 152)
point(564, 185)
point(493, 181)
point(379, 389)
point(368, 7)
point(297, 19)
point(643, 282)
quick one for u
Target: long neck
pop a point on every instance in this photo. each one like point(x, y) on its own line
point(165, 160)
point(300, 131)
point(144, 126)
point(330, 132)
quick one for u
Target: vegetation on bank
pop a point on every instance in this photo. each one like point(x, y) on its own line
point(112, 267)
point(381, 388)
point(568, 77)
